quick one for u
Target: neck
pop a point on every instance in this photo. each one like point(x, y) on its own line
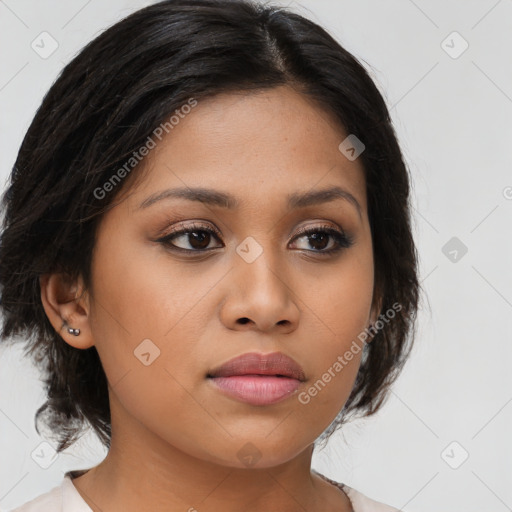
point(143, 472)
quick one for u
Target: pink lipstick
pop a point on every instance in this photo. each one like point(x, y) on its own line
point(258, 379)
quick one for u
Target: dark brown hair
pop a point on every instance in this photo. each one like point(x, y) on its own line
point(102, 108)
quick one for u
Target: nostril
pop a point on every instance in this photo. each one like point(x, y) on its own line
point(243, 320)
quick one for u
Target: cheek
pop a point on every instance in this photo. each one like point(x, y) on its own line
point(343, 300)
point(343, 315)
point(124, 304)
point(138, 318)
point(147, 293)
point(144, 310)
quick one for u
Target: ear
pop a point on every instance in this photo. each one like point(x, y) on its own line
point(67, 305)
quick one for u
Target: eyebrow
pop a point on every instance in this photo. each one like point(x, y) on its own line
point(224, 200)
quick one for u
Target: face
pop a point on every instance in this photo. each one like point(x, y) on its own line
point(180, 285)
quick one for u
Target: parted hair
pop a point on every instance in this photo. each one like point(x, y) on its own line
point(104, 105)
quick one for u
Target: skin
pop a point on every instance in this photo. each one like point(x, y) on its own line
point(175, 438)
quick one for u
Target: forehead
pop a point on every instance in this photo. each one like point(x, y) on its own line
point(260, 146)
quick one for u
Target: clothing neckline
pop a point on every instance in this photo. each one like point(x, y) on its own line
point(341, 486)
point(75, 473)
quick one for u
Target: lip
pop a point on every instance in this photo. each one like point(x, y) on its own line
point(258, 379)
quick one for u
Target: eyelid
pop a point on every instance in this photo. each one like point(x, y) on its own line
point(301, 231)
point(307, 229)
point(342, 239)
point(194, 226)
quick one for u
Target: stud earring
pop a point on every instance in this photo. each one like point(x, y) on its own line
point(74, 332)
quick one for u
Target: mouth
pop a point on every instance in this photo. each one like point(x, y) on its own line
point(258, 379)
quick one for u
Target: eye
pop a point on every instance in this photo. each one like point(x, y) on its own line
point(196, 236)
point(320, 237)
point(325, 240)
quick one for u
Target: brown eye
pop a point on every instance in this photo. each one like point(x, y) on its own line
point(196, 237)
point(320, 237)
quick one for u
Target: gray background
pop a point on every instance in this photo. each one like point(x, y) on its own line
point(452, 111)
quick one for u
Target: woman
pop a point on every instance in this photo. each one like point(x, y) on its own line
point(207, 244)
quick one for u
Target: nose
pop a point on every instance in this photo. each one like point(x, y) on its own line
point(260, 297)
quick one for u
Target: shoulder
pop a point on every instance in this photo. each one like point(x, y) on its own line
point(359, 501)
point(62, 498)
point(362, 503)
point(50, 501)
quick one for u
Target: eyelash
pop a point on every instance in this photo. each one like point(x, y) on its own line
point(343, 241)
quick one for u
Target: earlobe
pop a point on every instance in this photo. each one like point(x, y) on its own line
point(67, 309)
